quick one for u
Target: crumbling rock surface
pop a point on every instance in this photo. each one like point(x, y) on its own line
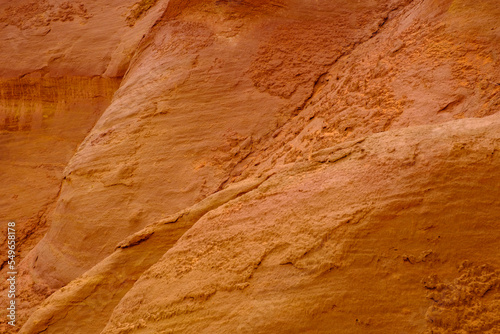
point(342, 247)
point(188, 111)
point(60, 65)
point(254, 166)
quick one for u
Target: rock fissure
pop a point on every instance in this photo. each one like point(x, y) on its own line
point(262, 166)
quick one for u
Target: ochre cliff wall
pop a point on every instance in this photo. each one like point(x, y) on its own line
point(357, 244)
point(60, 64)
point(42, 123)
point(263, 167)
point(195, 99)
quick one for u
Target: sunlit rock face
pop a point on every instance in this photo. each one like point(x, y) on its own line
point(253, 166)
point(60, 65)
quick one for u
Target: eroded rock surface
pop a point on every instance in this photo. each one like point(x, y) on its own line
point(196, 99)
point(255, 166)
point(60, 64)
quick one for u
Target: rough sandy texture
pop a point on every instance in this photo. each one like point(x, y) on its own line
point(60, 64)
point(356, 240)
point(263, 167)
point(384, 240)
point(196, 97)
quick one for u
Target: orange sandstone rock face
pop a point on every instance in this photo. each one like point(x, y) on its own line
point(263, 166)
point(358, 239)
point(60, 38)
point(60, 65)
point(195, 99)
point(43, 121)
point(362, 243)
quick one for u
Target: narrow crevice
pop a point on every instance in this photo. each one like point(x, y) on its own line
point(319, 82)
